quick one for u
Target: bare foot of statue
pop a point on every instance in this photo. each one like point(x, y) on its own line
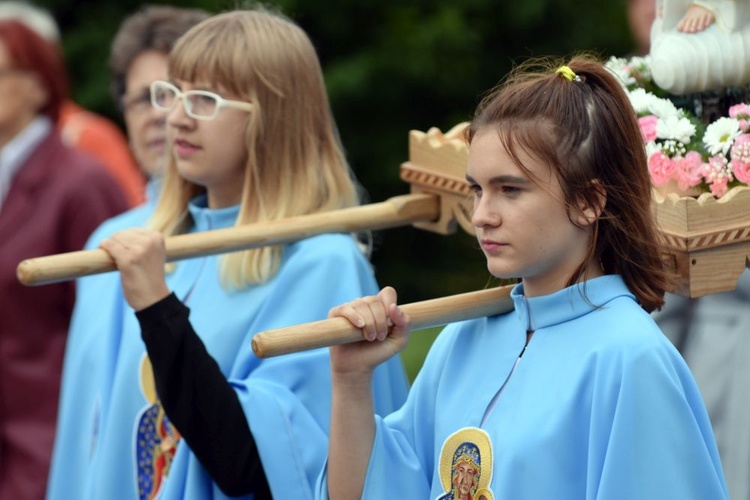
point(696, 19)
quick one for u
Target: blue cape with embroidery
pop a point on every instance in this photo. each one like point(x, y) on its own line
point(107, 412)
point(600, 405)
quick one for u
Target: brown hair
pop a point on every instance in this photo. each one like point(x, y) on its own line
point(153, 27)
point(587, 132)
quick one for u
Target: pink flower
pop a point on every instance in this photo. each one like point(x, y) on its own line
point(648, 127)
point(661, 168)
point(719, 187)
point(739, 111)
point(741, 170)
point(741, 148)
point(689, 170)
point(718, 175)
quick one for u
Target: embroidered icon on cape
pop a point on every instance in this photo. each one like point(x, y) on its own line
point(466, 465)
point(155, 439)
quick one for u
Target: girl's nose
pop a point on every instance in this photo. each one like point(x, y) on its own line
point(177, 116)
point(485, 214)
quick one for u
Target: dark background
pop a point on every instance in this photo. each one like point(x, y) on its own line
point(391, 66)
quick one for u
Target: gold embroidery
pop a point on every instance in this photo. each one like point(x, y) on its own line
point(466, 465)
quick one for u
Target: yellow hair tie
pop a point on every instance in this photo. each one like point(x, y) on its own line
point(568, 74)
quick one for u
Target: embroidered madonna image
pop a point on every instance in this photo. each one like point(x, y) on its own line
point(155, 438)
point(466, 465)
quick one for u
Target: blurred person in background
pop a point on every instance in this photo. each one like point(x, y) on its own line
point(713, 335)
point(641, 14)
point(138, 56)
point(79, 127)
point(51, 198)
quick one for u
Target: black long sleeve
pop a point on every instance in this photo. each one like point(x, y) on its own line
point(199, 401)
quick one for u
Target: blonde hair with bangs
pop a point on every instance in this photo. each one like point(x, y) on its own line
point(295, 161)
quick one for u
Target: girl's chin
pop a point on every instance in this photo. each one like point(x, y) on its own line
point(502, 270)
point(190, 175)
point(503, 274)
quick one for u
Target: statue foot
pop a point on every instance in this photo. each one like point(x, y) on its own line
point(696, 19)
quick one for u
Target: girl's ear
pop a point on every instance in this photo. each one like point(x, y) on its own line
point(591, 208)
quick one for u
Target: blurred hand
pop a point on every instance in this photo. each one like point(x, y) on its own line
point(140, 256)
point(385, 333)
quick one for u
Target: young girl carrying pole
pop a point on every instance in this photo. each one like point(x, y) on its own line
point(189, 412)
point(576, 393)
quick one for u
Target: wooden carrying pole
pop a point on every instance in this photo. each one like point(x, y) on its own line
point(396, 211)
point(439, 202)
point(426, 314)
point(706, 241)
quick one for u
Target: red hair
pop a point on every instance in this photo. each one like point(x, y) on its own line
point(32, 53)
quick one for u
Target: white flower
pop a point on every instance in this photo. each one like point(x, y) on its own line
point(673, 148)
point(647, 103)
point(641, 100)
point(663, 108)
point(616, 63)
point(620, 68)
point(720, 135)
point(651, 148)
point(675, 127)
point(641, 65)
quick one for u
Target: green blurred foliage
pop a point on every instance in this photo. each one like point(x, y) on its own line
point(391, 66)
point(419, 344)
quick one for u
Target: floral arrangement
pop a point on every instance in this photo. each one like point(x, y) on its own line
point(682, 150)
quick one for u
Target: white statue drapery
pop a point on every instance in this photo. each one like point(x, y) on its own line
point(712, 59)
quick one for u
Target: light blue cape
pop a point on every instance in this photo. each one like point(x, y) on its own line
point(600, 406)
point(286, 399)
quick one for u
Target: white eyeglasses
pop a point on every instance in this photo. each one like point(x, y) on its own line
point(199, 104)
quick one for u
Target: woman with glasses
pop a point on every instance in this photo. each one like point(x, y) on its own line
point(51, 198)
point(188, 410)
point(138, 56)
